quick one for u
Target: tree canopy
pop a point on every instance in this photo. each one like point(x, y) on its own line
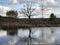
point(12, 13)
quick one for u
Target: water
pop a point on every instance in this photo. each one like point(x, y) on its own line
point(21, 37)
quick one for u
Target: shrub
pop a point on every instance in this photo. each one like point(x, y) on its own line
point(52, 17)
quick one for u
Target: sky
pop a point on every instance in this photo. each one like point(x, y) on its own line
point(50, 6)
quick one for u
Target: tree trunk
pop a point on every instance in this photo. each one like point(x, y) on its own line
point(29, 38)
point(29, 31)
point(29, 19)
point(29, 27)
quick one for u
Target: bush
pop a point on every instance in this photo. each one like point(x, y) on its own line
point(52, 17)
point(12, 13)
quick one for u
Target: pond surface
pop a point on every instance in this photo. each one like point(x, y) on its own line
point(51, 35)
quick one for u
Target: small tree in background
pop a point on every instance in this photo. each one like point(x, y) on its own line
point(52, 17)
point(12, 13)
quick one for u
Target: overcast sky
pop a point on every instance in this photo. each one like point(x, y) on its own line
point(50, 6)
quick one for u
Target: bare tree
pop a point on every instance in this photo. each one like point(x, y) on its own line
point(28, 11)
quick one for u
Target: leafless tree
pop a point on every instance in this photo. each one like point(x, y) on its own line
point(28, 11)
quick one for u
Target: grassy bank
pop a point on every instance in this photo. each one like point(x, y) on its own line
point(12, 23)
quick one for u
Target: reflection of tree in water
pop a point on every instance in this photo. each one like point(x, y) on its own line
point(27, 40)
point(31, 41)
point(11, 31)
point(52, 30)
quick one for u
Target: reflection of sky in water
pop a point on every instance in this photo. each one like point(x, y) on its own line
point(4, 33)
point(36, 33)
point(23, 33)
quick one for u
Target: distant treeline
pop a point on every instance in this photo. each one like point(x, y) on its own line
point(10, 22)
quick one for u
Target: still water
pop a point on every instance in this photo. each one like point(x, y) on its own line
point(51, 35)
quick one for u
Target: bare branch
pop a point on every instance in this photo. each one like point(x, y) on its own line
point(27, 11)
